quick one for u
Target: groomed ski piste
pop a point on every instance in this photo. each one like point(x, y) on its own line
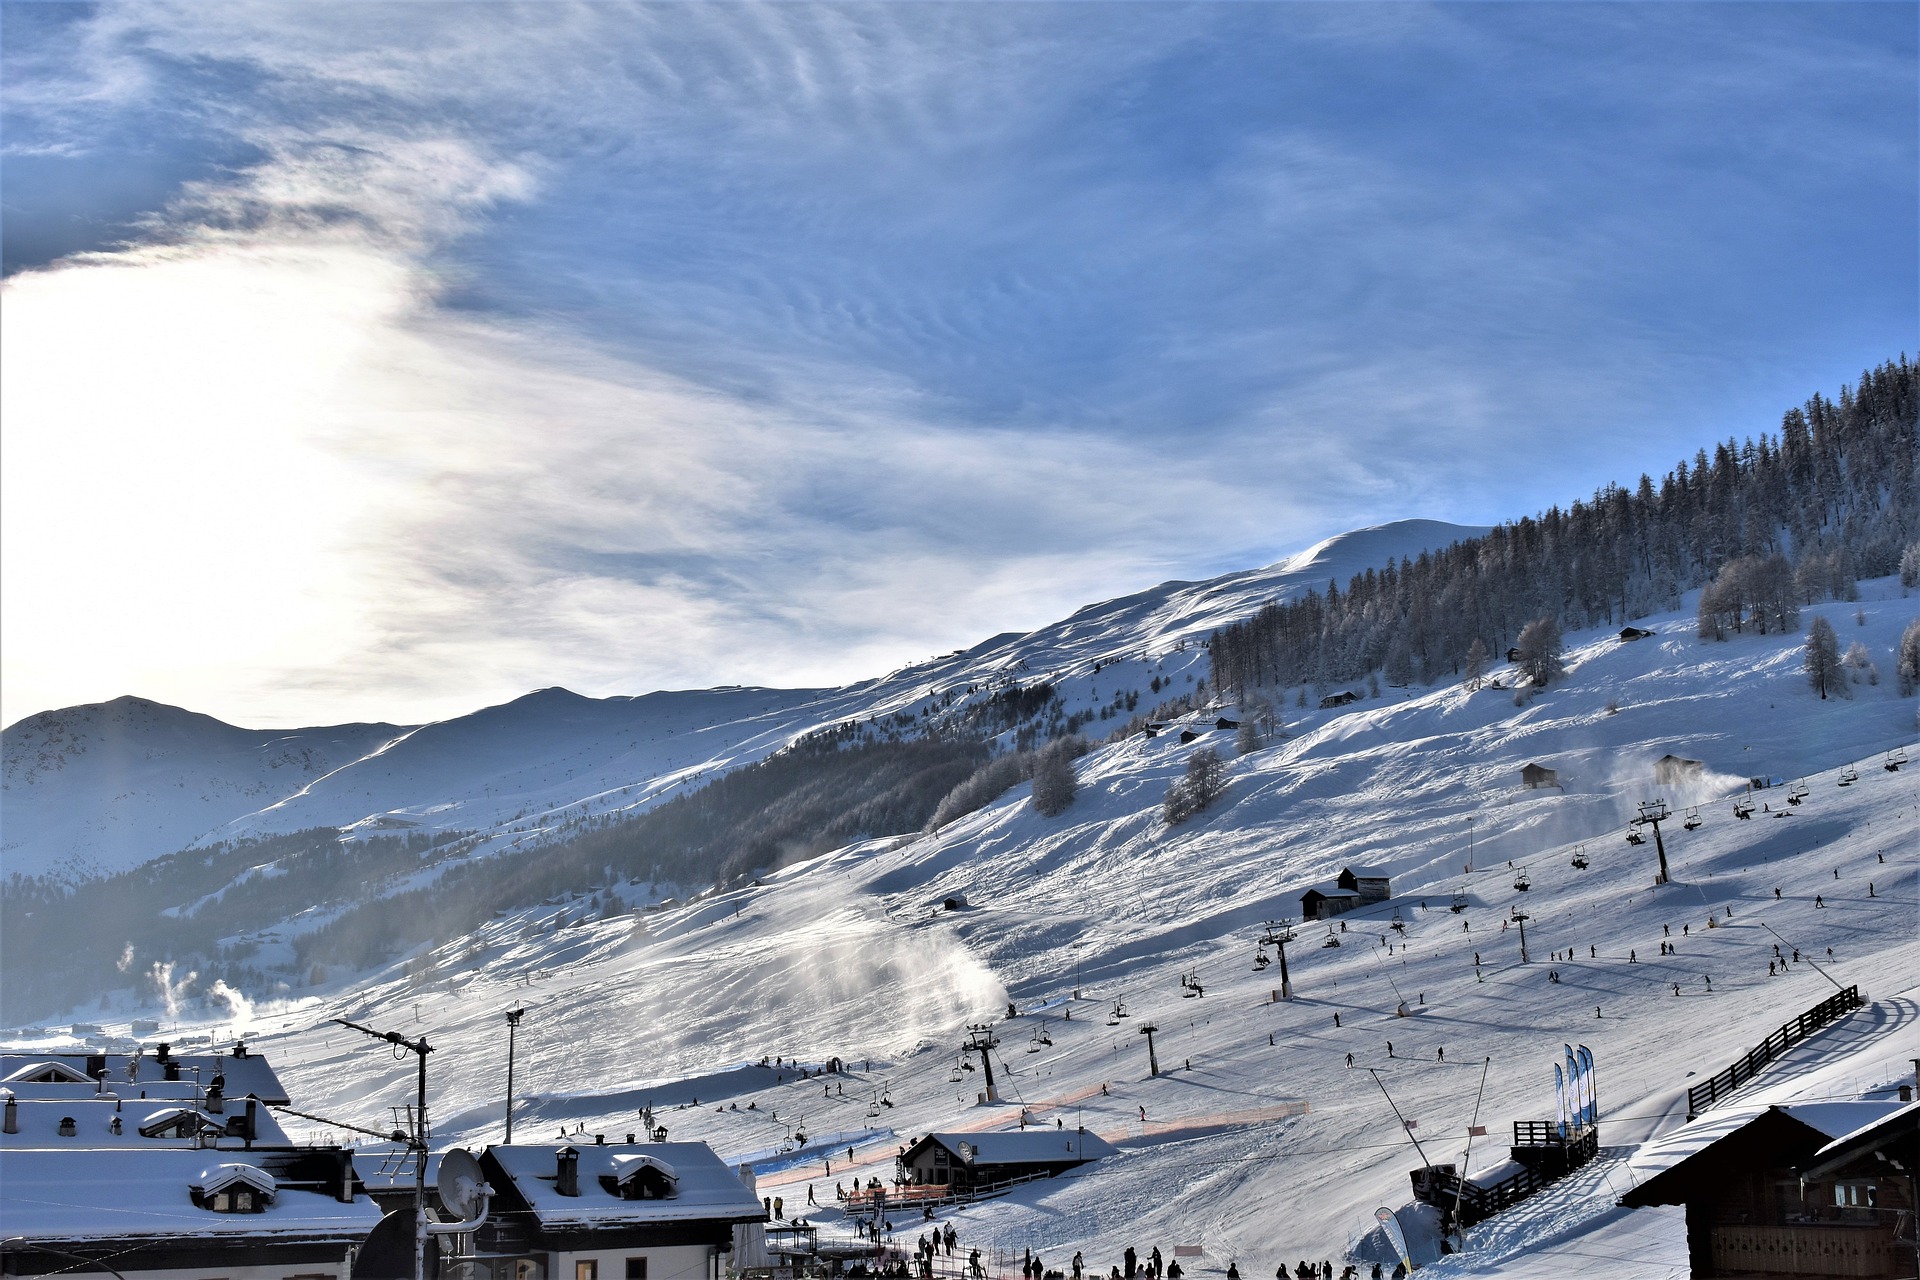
point(854, 955)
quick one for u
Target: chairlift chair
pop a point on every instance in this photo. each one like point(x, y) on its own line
point(1634, 837)
point(1580, 862)
point(1849, 776)
point(1743, 809)
point(1522, 881)
point(1459, 902)
point(1693, 819)
point(956, 1077)
point(1895, 758)
point(1333, 939)
point(1797, 793)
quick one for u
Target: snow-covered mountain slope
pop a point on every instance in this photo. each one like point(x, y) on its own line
point(852, 955)
point(94, 789)
point(103, 787)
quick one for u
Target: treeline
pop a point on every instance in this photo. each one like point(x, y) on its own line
point(794, 805)
point(63, 943)
point(1834, 492)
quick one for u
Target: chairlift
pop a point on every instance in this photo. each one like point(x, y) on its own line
point(1459, 902)
point(1522, 881)
point(1693, 821)
point(1895, 758)
point(956, 1077)
point(1849, 776)
point(1743, 809)
point(1634, 837)
point(1333, 939)
point(1797, 792)
point(1580, 862)
point(1260, 962)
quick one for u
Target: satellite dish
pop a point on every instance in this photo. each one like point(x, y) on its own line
point(460, 1182)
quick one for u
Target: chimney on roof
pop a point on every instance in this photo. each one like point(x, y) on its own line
point(630, 1139)
point(173, 1069)
point(162, 1052)
point(344, 1167)
point(599, 1139)
point(217, 1096)
point(566, 1179)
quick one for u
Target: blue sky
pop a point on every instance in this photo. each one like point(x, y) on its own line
point(384, 360)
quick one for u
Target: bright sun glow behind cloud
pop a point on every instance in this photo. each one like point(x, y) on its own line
point(381, 361)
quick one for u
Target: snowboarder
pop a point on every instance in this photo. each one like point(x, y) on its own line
point(1441, 1053)
point(1389, 1048)
point(1336, 1019)
point(1349, 1062)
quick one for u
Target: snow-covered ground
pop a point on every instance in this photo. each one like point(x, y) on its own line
point(96, 789)
point(852, 955)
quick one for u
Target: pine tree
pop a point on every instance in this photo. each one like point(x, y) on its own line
point(1476, 669)
point(1054, 785)
point(1824, 671)
point(1907, 665)
point(1539, 644)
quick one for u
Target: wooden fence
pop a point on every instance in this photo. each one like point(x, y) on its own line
point(1717, 1088)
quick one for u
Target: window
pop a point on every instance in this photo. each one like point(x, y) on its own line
point(636, 1269)
point(1855, 1195)
point(586, 1269)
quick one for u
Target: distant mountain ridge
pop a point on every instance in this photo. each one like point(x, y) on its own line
point(101, 787)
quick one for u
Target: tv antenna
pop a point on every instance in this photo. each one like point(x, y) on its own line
point(417, 1141)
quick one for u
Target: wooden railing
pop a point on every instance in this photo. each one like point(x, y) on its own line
point(1443, 1188)
point(1718, 1087)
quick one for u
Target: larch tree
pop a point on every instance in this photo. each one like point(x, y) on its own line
point(1824, 671)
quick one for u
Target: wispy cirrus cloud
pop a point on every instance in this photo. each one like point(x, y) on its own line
point(435, 351)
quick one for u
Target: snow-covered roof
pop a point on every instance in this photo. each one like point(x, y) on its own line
point(706, 1189)
point(1669, 1152)
point(234, 1173)
point(147, 1194)
point(1902, 1114)
point(47, 1072)
point(1330, 889)
point(1025, 1146)
point(1369, 873)
point(251, 1074)
point(38, 1120)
